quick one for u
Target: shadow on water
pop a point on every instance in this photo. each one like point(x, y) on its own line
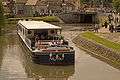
point(5, 41)
point(8, 57)
point(1, 49)
point(15, 62)
point(46, 72)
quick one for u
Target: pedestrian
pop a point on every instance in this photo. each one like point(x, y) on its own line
point(36, 38)
point(111, 28)
point(115, 29)
point(96, 27)
point(105, 24)
point(117, 19)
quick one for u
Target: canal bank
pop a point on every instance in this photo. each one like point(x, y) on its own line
point(98, 50)
point(16, 64)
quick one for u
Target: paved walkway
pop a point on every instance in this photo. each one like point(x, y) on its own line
point(104, 30)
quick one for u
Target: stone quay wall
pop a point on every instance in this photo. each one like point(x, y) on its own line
point(97, 49)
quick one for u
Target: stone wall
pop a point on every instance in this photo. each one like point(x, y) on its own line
point(98, 49)
point(79, 17)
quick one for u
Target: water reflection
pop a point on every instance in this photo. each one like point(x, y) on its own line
point(11, 67)
point(15, 63)
point(43, 71)
point(1, 49)
point(51, 72)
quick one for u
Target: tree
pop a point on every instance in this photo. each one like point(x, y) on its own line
point(1, 17)
point(116, 5)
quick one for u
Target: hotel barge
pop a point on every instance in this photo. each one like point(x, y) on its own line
point(45, 43)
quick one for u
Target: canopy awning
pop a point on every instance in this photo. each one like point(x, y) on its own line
point(37, 25)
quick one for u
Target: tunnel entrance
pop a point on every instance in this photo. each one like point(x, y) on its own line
point(86, 18)
point(80, 17)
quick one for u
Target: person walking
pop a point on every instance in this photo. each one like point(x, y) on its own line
point(105, 24)
point(111, 28)
point(96, 27)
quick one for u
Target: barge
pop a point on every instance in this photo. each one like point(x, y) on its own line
point(45, 43)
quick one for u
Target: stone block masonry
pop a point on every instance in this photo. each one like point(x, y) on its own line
point(98, 50)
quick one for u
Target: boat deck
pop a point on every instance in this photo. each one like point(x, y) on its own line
point(51, 46)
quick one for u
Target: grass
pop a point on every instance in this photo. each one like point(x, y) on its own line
point(50, 19)
point(105, 42)
point(46, 19)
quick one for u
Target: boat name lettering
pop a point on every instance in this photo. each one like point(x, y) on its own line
point(56, 57)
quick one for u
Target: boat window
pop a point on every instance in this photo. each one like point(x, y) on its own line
point(19, 28)
point(23, 31)
point(52, 31)
point(29, 32)
point(55, 37)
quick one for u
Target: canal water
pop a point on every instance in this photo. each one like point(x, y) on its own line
point(16, 64)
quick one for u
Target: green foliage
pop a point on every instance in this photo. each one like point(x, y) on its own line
point(1, 14)
point(50, 19)
point(105, 42)
point(116, 4)
point(46, 19)
point(1, 17)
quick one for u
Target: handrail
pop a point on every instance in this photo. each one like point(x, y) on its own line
point(48, 40)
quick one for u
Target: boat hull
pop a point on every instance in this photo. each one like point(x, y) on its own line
point(44, 58)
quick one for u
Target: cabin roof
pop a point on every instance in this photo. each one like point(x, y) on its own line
point(37, 25)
